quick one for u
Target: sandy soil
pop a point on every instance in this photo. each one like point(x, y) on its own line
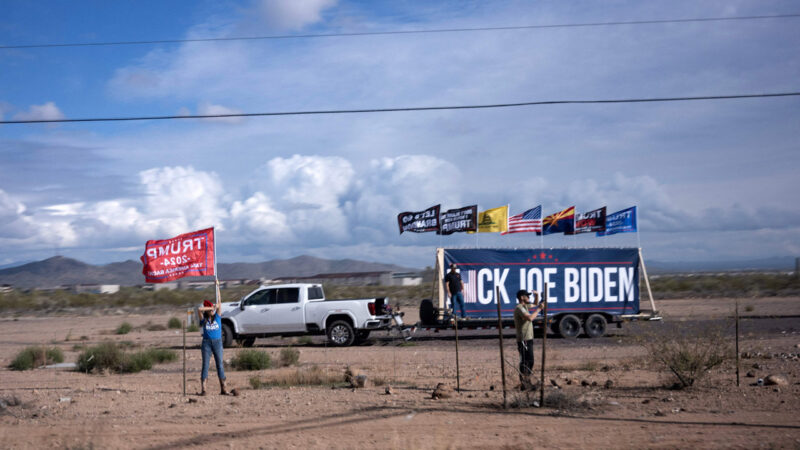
point(67, 409)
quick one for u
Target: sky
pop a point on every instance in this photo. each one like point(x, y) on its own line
point(712, 180)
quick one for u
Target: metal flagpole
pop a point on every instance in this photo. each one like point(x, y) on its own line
point(216, 277)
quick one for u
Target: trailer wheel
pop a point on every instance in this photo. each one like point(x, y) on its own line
point(227, 335)
point(595, 326)
point(362, 335)
point(427, 313)
point(569, 327)
point(341, 334)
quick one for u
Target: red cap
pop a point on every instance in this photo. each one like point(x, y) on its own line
point(207, 303)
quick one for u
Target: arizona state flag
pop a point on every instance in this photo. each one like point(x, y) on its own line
point(560, 222)
point(493, 220)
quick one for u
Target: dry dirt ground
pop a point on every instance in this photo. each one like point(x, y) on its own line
point(66, 409)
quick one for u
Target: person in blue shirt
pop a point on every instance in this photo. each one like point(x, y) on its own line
point(211, 325)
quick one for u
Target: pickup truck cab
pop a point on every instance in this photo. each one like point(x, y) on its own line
point(301, 309)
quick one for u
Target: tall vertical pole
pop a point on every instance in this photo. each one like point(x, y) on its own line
point(737, 342)
point(184, 357)
point(458, 368)
point(502, 356)
point(646, 280)
point(544, 345)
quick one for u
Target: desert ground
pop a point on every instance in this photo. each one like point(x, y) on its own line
point(628, 407)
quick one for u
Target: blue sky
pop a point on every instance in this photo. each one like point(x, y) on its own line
point(712, 180)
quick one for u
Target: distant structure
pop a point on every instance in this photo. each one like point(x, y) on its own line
point(382, 278)
point(95, 288)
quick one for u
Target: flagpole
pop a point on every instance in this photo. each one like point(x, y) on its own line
point(541, 231)
point(216, 277)
point(638, 239)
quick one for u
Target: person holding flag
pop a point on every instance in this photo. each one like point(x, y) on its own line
point(209, 315)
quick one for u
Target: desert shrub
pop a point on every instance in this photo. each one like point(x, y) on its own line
point(136, 362)
point(302, 376)
point(111, 356)
point(193, 328)
point(36, 356)
point(305, 340)
point(174, 322)
point(255, 382)
point(161, 355)
point(289, 356)
point(749, 308)
point(251, 360)
point(124, 328)
point(155, 327)
point(688, 356)
point(106, 355)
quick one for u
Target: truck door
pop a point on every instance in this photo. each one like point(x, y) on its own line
point(286, 314)
point(253, 317)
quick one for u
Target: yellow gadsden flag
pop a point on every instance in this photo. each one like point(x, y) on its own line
point(493, 220)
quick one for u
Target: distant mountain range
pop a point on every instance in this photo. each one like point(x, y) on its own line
point(783, 263)
point(59, 270)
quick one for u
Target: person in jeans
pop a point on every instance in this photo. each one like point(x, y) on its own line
point(523, 323)
point(212, 343)
point(455, 289)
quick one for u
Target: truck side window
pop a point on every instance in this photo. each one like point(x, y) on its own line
point(288, 295)
point(315, 293)
point(261, 297)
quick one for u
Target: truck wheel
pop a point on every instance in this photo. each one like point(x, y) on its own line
point(427, 313)
point(362, 335)
point(227, 335)
point(569, 327)
point(248, 342)
point(595, 326)
point(341, 334)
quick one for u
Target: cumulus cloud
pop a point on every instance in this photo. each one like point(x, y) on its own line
point(47, 111)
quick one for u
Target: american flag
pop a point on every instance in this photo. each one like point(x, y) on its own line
point(530, 220)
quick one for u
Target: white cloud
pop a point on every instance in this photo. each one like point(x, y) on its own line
point(181, 198)
point(291, 14)
point(47, 111)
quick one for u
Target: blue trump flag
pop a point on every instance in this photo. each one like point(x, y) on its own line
point(620, 222)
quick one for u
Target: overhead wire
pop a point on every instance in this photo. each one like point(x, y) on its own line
point(394, 32)
point(407, 109)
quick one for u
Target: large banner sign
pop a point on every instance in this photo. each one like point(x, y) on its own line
point(459, 220)
point(578, 280)
point(190, 254)
point(420, 221)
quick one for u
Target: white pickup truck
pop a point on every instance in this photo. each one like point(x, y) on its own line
point(301, 309)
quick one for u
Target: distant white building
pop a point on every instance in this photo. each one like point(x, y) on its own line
point(95, 288)
point(384, 278)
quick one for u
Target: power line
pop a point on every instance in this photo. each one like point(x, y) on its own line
point(429, 31)
point(413, 108)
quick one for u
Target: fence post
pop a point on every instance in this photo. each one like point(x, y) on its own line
point(544, 345)
point(502, 356)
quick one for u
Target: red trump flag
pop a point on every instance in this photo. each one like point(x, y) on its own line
point(190, 254)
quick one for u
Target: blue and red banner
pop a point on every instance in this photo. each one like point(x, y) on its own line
point(620, 222)
point(578, 280)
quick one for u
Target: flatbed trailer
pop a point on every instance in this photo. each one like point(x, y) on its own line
point(588, 298)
